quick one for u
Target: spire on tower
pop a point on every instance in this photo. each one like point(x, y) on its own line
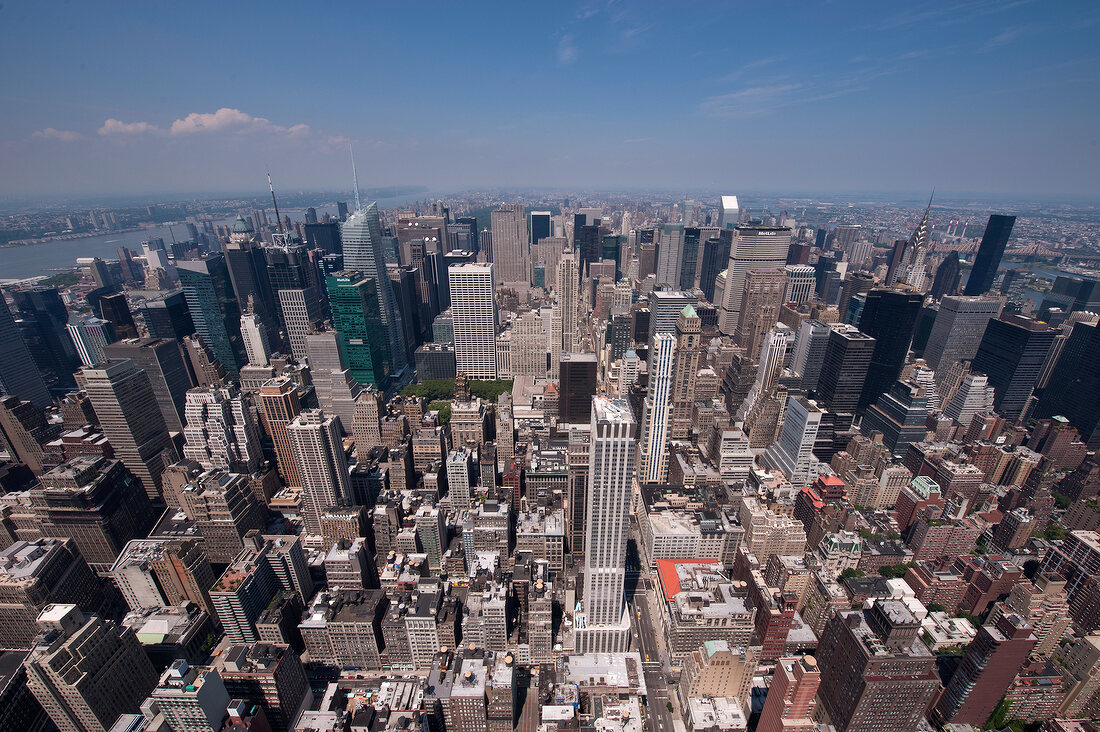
point(272, 187)
point(355, 177)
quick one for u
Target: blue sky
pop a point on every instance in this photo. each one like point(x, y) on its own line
point(979, 96)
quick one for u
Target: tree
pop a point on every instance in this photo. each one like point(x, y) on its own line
point(851, 572)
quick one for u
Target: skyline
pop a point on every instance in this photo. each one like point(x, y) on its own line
point(832, 99)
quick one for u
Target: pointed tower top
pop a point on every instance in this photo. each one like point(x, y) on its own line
point(355, 177)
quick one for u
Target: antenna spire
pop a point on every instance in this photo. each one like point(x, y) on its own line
point(355, 177)
point(272, 187)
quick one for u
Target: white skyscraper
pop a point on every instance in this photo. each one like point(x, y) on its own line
point(728, 212)
point(604, 629)
point(221, 431)
point(529, 345)
point(363, 252)
point(975, 396)
point(801, 281)
point(474, 309)
point(753, 247)
point(653, 457)
point(90, 335)
point(793, 454)
point(319, 452)
point(334, 385)
point(568, 292)
point(254, 335)
point(511, 252)
point(459, 465)
point(302, 314)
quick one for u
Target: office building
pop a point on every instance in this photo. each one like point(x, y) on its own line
point(511, 251)
point(989, 665)
point(848, 356)
point(763, 294)
point(163, 573)
point(577, 386)
point(355, 316)
point(19, 375)
point(876, 673)
point(793, 454)
point(855, 284)
point(90, 336)
point(685, 371)
point(568, 292)
point(657, 412)
point(163, 361)
point(41, 318)
point(899, 416)
point(301, 310)
point(890, 317)
point(129, 415)
point(34, 574)
point(334, 385)
point(279, 406)
point(221, 431)
point(790, 702)
point(997, 231)
point(167, 316)
point(1073, 390)
point(753, 247)
point(665, 307)
point(23, 431)
point(541, 226)
point(670, 253)
point(474, 309)
point(268, 674)
point(800, 283)
point(958, 330)
point(1012, 353)
point(114, 309)
point(809, 352)
point(257, 347)
point(610, 476)
point(322, 465)
point(363, 253)
point(85, 671)
point(948, 276)
point(189, 698)
point(214, 308)
point(728, 212)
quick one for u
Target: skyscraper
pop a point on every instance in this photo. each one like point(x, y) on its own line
point(301, 311)
point(997, 231)
point(541, 226)
point(221, 431)
point(670, 252)
point(362, 236)
point(801, 281)
point(511, 252)
point(335, 386)
point(716, 253)
point(688, 351)
point(728, 212)
point(948, 274)
point(577, 386)
point(844, 370)
point(607, 511)
point(257, 346)
point(988, 666)
point(789, 704)
point(127, 409)
point(568, 290)
point(689, 258)
point(754, 247)
point(958, 330)
point(279, 405)
point(86, 671)
point(214, 309)
point(90, 336)
point(1074, 386)
point(857, 283)
point(354, 305)
point(793, 453)
point(474, 309)
point(760, 302)
point(19, 376)
point(319, 452)
point(1011, 353)
point(657, 411)
point(163, 362)
point(890, 317)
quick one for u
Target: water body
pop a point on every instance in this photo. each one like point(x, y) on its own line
point(48, 257)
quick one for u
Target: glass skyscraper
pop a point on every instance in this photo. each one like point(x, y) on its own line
point(214, 309)
point(354, 302)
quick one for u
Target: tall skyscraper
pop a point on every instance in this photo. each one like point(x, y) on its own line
point(221, 431)
point(568, 290)
point(244, 258)
point(362, 236)
point(857, 283)
point(354, 305)
point(753, 247)
point(279, 406)
point(164, 363)
point(657, 411)
point(670, 253)
point(689, 259)
point(511, 252)
point(809, 352)
point(127, 409)
point(844, 370)
point(989, 664)
point(90, 336)
point(728, 212)
point(19, 376)
point(716, 253)
point(474, 309)
point(541, 226)
point(214, 309)
point(42, 319)
point(793, 453)
point(607, 512)
point(801, 281)
point(890, 317)
point(319, 452)
point(86, 671)
point(958, 330)
point(1073, 389)
point(665, 307)
point(948, 275)
point(688, 351)
point(997, 231)
point(257, 346)
point(335, 386)
point(760, 302)
point(577, 386)
point(301, 311)
point(1011, 353)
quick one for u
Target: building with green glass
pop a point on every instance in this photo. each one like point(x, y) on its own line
point(353, 299)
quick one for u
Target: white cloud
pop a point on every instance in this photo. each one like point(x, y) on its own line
point(53, 134)
point(234, 120)
point(118, 127)
point(567, 52)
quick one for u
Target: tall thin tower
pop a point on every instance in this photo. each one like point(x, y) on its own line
point(319, 452)
point(568, 291)
point(607, 512)
point(657, 412)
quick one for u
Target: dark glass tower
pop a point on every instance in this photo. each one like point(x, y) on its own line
point(19, 376)
point(1011, 354)
point(42, 319)
point(168, 317)
point(947, 277)
point(890, 317)
point(540, 225)
point(115, 309)
point(214, 309)
point(716, 254)
point(578, 386)
point(587, 243)
point(1074, 386)
point(992, 248)
point(844, 370)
